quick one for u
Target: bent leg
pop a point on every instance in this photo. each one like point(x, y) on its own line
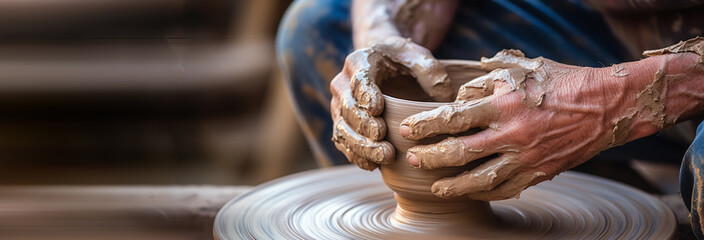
point(692, 181)
point(313, 39)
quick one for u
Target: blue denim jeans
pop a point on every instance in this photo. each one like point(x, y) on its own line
point(691, 181)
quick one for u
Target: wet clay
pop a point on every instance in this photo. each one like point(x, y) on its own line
point(512, 66)
point(411, 12)
point(477, 182)
point(452, 118)
point(377, 151)
point(694, 45)
point(412, 185)
point(369, 126)
point(652, 100)
point(347, 203)
point(471, 82)
point(470, 111)
point(359, 132)
point(418, 61)
point(424, 21)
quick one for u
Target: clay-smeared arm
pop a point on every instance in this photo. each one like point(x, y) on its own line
point(540, 117)
point(425, 22)
point(382, 53)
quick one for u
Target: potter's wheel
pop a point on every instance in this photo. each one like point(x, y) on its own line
point(348, 203)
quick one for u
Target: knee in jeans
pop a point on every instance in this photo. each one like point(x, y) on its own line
point(309, 14)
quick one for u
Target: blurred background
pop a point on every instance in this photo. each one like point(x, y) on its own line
point(144, 92)
point(145, 117)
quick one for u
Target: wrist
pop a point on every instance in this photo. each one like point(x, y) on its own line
point(621, 88)
point(685, 86)
point(652, 94)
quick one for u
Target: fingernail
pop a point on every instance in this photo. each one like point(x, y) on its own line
point(405, 130)
point(413, 160)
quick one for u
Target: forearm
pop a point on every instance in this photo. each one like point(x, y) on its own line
point(685, 88)
point(659, 91)
point(372, 21)
point(424, 21)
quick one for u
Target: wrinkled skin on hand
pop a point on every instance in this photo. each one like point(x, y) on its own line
point(538, 118)
point(357, 101)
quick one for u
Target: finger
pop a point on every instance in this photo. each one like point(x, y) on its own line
point(362, 83)
point(356, 159)
point(378, 152)
point(512, 188)
point(428, 71)
point(338, 86)
point(452, 119)
point(450, 152)
point(510, 58)
point(361, 121)
point(477, 88)
point(366, 93)
point(335, 109)
point(484, 86)
point(482, 178)
point(433, 79)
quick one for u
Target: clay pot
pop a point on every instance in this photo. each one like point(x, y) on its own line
point(411, 185)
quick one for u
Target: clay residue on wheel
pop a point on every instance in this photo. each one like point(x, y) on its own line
point(346, 203)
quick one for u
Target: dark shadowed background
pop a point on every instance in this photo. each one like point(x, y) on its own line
point(144, 92)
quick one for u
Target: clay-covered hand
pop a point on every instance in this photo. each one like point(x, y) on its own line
point(537, 118)
point(357, 101)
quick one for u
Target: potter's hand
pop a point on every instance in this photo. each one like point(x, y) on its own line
point(357, 101)
point(538, 118)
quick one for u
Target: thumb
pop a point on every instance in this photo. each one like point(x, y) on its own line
point(427, 70)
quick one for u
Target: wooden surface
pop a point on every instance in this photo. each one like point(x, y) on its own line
point(112, 212)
